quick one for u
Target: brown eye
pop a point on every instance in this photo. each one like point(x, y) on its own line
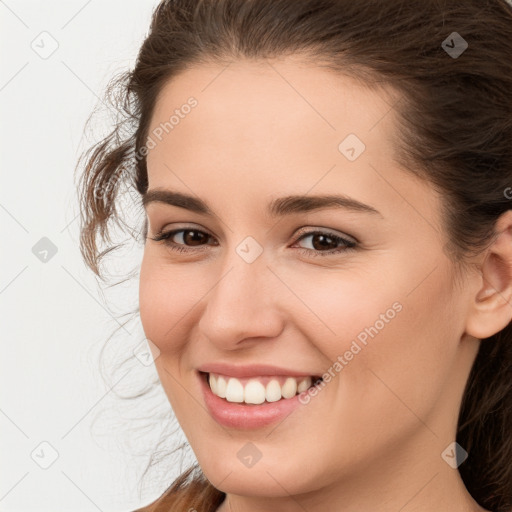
point(321, 241)
point(193, 236)
point(188, 238)
point(325, 243)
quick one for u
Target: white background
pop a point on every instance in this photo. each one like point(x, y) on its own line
point(54, 317)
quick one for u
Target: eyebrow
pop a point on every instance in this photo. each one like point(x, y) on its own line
point(277, 207)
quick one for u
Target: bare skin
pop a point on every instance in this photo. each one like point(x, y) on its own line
point(373, 438)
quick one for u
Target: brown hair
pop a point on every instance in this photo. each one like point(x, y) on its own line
point(455, 130)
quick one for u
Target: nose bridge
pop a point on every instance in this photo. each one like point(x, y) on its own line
point(245, 272)
point(241, 303)
point(243, 286)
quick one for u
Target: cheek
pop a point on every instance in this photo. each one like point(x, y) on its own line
point(346, 309)
point(165, 297)
point(387, 314)
point(405, 368)
point(387, 342)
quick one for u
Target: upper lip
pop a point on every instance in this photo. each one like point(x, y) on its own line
point(253, 370)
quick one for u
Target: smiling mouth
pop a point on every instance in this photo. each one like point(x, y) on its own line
point(258, 390)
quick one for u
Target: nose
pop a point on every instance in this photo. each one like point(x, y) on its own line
point(243, 305)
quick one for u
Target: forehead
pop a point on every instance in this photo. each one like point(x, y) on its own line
point(251, 109)
point(265, 112)
point(274, 128)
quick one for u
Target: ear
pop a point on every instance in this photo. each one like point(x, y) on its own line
point(491, 308)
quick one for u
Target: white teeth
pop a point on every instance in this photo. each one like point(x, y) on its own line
point(290, 388)
point(234, 391)
point(213, 383)
point(303, 385)
point(221, 386)
point(254, 391)
point(273, 391)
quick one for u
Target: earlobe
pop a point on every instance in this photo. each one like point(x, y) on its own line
point(491, 310)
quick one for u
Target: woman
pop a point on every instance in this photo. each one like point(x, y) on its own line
point(327, 268)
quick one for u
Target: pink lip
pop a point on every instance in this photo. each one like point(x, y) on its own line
point(253, 370)
point(246, 416)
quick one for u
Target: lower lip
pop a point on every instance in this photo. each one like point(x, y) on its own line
point(246, 416)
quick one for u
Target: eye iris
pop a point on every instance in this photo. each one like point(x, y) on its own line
point(323, 245)
point(197, 236)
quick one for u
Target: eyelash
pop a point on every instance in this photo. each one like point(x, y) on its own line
point(348, 244)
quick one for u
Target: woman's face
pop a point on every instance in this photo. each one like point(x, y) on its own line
point(254, 286)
